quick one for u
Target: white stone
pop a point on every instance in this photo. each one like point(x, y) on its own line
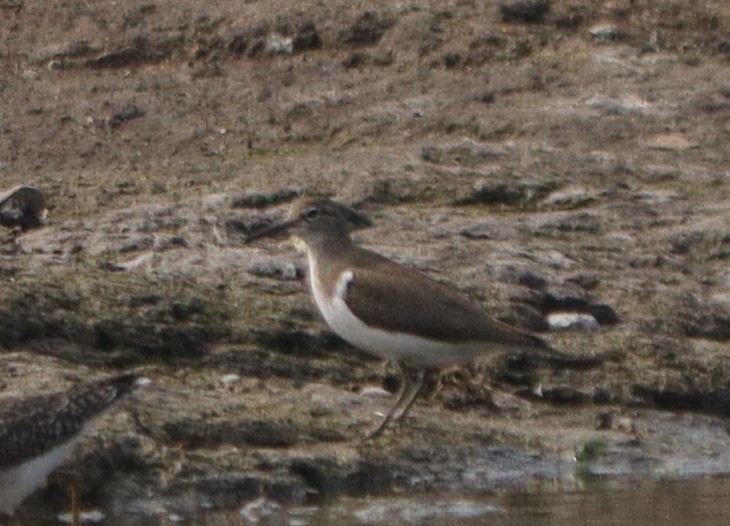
point(572, 321)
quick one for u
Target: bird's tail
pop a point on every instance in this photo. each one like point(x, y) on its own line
point(543, 353)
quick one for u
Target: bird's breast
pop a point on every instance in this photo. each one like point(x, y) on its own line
point(17, 482)
point(390, 345)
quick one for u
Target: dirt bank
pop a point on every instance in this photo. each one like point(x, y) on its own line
point(568, 159)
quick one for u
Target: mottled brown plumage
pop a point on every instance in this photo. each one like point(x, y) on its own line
point(37, 432)
point(33, 425)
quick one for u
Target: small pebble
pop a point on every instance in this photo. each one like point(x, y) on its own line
point(572, 321)
point(92, 517)
point(607, 32)
point(228, 379)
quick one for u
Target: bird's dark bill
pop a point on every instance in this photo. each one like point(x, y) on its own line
point(274, 230)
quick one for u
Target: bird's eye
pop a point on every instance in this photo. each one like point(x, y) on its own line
point(311, 214)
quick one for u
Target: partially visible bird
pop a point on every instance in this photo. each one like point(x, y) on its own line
point(22, 206)
point(37, 433)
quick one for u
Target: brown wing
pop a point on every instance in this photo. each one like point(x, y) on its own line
point(397, 299)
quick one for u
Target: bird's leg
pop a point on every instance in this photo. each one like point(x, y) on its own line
point(417, 376)
point(75, 497)
point(403, 389)
point(412, 383)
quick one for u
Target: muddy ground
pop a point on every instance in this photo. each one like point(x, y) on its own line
point(543, 157)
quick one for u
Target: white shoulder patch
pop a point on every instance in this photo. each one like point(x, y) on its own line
point(343, 282)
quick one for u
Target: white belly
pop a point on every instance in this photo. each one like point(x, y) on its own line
point(397, 346)
point(19, 482)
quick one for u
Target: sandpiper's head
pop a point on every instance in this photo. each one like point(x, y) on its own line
point(312, 219)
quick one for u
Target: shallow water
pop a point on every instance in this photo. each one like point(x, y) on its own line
point(697, 502)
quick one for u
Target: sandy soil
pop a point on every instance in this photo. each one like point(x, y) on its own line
point(567, 161)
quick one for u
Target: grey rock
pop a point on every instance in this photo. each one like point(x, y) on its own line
point(367, 30)
point(479, 231)
point(569, 198)
point(129, 112)
point(307, 37)
point(466, 152)
point(529, 11)
point(608, 32)
point(619, 106)
point(575, 299)
point(144, 49)
point(582, 222)
point(506, 193)
point(279, 45)
point(572, 321)
point(700, 318)
point(276, 268)
point(681, 398)
point(266, 199)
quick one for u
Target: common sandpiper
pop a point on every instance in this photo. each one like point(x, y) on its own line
point(388, 310)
